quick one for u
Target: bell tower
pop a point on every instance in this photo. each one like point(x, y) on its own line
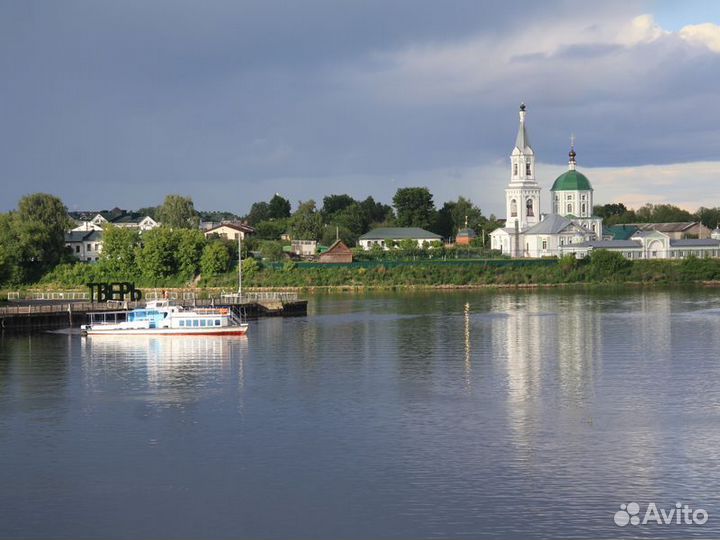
point(522, 196)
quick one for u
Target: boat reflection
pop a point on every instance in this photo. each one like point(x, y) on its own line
point(182, 365)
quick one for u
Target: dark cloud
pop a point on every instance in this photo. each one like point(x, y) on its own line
point(119, 103)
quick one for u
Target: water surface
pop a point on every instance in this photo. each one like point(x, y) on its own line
point(463, 415)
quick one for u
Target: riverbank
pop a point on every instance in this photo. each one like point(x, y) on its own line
point(605, 268)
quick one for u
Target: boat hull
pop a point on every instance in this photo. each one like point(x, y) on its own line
point(222, 331)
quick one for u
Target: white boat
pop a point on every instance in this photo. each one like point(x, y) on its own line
point(160, 317)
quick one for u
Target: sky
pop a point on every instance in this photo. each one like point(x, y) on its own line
point(108, 103)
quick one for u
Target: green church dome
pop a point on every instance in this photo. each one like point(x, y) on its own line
point(571, 181)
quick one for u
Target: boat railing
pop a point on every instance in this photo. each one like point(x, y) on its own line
point(211, 311)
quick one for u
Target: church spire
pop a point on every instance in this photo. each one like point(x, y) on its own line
point(522, 142)
point(572, 154)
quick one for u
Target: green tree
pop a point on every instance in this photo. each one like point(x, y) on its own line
point(215, 259)
point(376, 212)
point(156, 259)
point(191, 244)
point(38, 230)
point(335, 203)
point(259, 212)
point(271, 230)
point(279, 207)
point(415, 207)
point(118, 253)
point(178, 212)
point(710, 217)
point(272, 251)
point(346, 236)
point(150, 211)
point(606, 264)
point(306, 223)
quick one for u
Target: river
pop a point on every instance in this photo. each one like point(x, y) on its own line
point(483, 414)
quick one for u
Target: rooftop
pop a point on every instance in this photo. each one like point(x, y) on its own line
point(400, 233)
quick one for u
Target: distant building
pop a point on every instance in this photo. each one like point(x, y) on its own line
point(230, 231)
point(116, 217)
point(388, 237)
point(681, 230)
point(649, 244)
point(465, 237)
point(527, 232)
point(85, 245)
point(337, 253)
point(304, 248)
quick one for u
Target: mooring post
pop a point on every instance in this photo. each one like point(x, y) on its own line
point(70, 314)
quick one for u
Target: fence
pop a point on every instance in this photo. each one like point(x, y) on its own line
point(394, 263)
point(263, 296)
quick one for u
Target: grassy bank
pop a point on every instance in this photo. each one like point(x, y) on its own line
point(602, 268)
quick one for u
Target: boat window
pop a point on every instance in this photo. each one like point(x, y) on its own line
point(202, 322)
point(182, 323)
point(196, 322)
point(217, 322)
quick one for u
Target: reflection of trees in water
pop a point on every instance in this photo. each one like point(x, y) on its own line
point(35, 368)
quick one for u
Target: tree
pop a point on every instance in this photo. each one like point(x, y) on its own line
point(414, 207)
point(271, 230)
point(178, 212)
point(259, 212)
point(346, 236)
point(215, 259)
point(118, 254)
point(376, 212)
point(191, 244)
point(272, 251)
point(278, 207)
point(150, 211)
point(156, 259)
point(38, 229)
point(710, 217)
point(306, 223)
point(336, 203)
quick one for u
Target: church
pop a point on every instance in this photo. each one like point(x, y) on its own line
point(528, 232)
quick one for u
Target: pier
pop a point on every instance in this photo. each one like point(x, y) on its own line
point(48, 314)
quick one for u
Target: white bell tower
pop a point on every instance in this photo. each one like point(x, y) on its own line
point(522, 196)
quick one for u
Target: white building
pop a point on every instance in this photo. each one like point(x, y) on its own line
point(527, 232)
point(650, 245)
point(389, 237)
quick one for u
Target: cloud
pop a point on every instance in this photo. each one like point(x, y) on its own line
point(707, 33)
point(119, 103)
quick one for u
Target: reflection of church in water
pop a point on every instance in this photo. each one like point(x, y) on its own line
point(527, 232)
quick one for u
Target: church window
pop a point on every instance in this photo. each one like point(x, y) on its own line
point(544, 244)
point(527, 169)
point(529, 207)
point(513, 208)
point(582, 197)
point(569, 208)
point(515, 169)
point(583, 208)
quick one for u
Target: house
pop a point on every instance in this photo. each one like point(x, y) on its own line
point(230, 231)
point(116, 217)
point(465, 236)
point(85, 245)
point(304, 248)
point(387, 237)
point(337, 253)
point(650, 244)
point(676, 230)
